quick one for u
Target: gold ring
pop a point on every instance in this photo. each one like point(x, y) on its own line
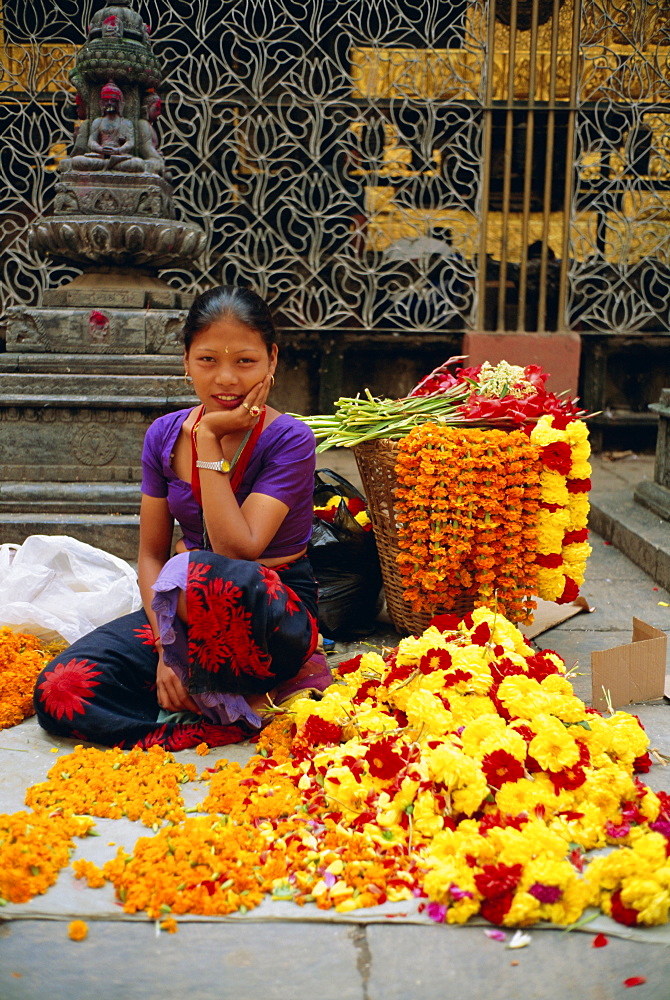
point(255, 411)
point(246, 407)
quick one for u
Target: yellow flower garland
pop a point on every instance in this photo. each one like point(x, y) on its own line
point(563, 516)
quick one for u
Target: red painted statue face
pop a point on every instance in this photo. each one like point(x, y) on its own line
point(154, 108)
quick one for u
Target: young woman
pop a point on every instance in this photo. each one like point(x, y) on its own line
point(231, 617)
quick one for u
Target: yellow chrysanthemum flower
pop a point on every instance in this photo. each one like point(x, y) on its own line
point(427, 715)
point(553, 488)
point(543, 433)
point(480, 729)
point(577, 433)
point(426, 816)
point(412, 648)
point(464, 708)
point(553, 747)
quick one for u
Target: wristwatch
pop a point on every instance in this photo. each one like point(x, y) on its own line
point(222, 466)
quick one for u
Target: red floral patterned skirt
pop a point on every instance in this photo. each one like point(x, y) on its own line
point(249, 629)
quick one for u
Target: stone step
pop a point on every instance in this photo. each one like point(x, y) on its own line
point(116, 533)
point(35, 498)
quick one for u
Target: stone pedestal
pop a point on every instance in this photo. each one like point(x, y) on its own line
point(89, 368)
point(72, 443)
point(656, 495)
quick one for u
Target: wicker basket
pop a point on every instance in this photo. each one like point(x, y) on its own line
point(376, 462)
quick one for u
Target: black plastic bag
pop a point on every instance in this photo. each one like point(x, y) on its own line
point(345, 562)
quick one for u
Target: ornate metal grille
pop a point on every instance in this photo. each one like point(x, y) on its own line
point(619, 276)
point(385, 165)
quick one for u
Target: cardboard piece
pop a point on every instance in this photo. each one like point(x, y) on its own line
point(631, 673)
point(548, 614)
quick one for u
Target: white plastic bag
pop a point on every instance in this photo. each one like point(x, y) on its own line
point(54, 585)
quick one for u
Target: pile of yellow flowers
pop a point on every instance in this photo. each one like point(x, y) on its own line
point(458, 770)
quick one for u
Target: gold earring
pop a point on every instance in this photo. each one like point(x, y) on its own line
point(272, 379)
point(187, 378)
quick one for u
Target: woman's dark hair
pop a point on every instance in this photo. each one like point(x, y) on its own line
point(225, 301)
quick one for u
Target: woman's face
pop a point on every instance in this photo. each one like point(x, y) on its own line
point(226, 360)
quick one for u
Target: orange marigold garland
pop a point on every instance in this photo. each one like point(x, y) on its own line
point(467, 502)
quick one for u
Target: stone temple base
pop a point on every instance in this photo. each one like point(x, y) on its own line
point(655, 497)
point(72, 444)
point(123, 311)
point(95, 331)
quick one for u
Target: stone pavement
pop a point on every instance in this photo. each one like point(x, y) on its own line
point(391, 961)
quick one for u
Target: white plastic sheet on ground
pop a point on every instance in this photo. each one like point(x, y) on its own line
point(56, 586)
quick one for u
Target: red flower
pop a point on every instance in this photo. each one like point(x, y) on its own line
point(540, 666)
point(66, 688)
point(383, 761)
point(481, 635)
point(366, 690)
point(623, 914)
point(494, 910)
point(435, 659)
point(319, 731)
point(455, 676)
point(642, 764)
point(500, 766)
point(552, 561)
point(536, 376)
point(355, 506)
point(504, 668)
point(576, 536)
point(578, 485)
point(326, 514)
point(495, 881)
point(557, 456)
point(446, 623)
point(399, 672)
point(502, 820)
point(570, 592)
point(546, 893)
point(349, 666)
point(440, 379)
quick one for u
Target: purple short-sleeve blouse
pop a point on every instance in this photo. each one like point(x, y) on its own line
point(281, 466)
